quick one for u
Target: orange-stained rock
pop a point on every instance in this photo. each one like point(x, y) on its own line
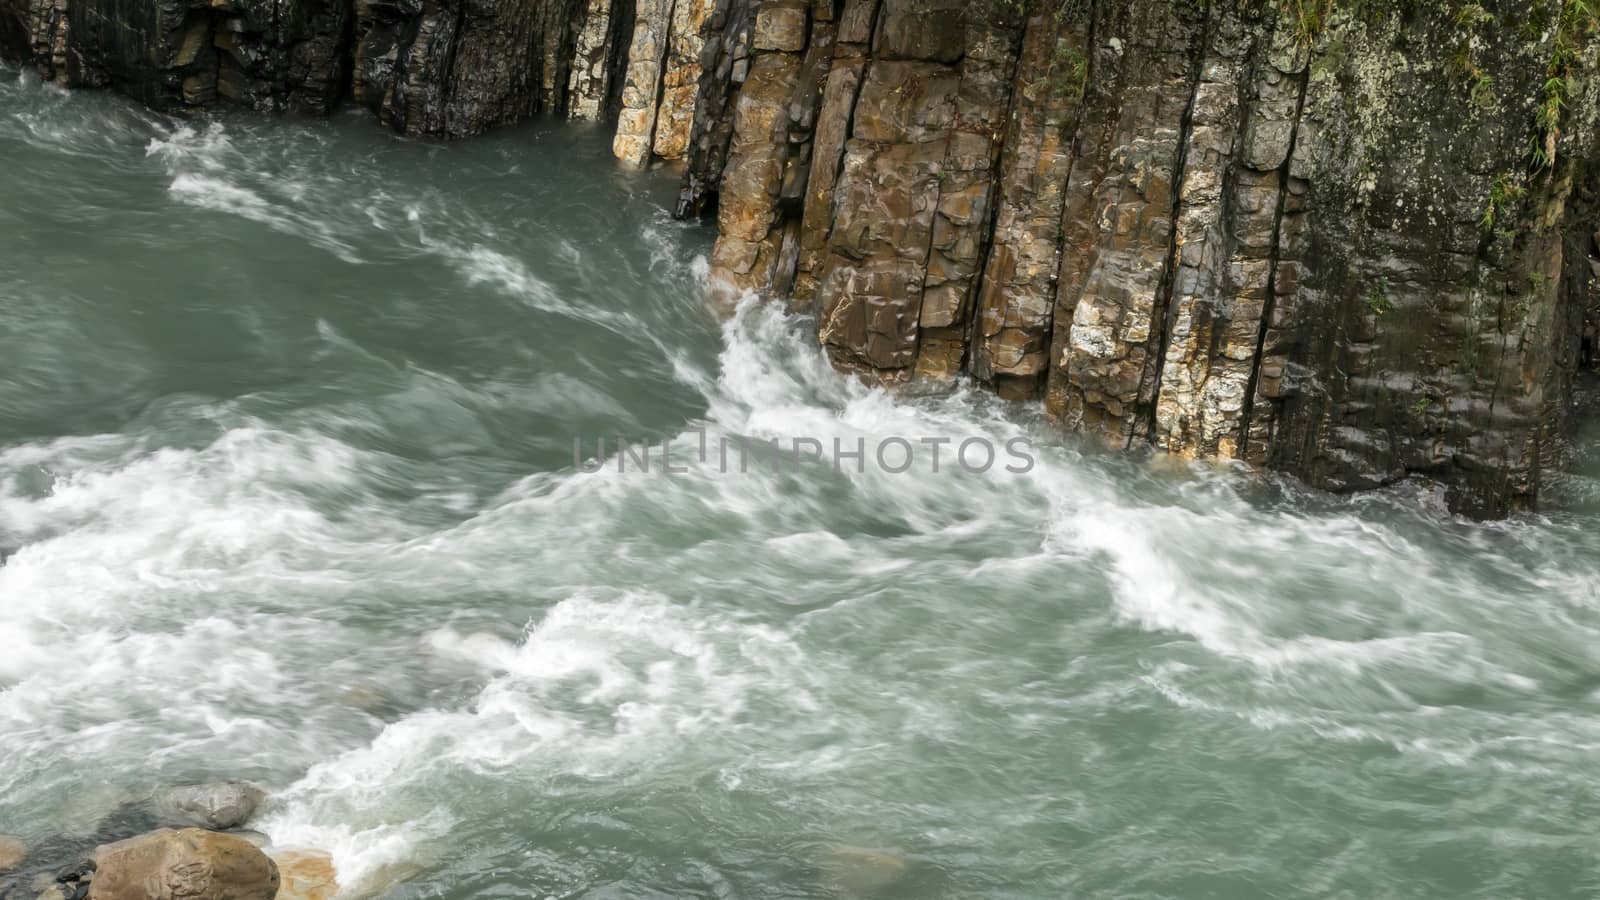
point(306, 875)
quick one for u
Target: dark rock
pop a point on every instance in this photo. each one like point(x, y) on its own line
point(217, 805)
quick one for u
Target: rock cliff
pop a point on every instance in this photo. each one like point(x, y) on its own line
point(1354, 240)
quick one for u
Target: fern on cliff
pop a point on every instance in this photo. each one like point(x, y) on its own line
point(1577, 22)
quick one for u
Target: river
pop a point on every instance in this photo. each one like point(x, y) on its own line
point(288, 419)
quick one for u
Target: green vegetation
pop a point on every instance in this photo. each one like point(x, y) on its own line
point(1474, 23)
point(1069, 71)
point(1378, 300)
point(1481, 94)
point(1506, 190)
point(1472, 15)
point(1577, 22)
point(1310, 17)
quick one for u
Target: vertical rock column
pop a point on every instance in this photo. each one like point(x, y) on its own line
point(854, 41)
point(1198, 313)
point(680, 78)
point(1236, 191)
point(871, 281)
point(964, 218)
point(594, 49)
point(1286, 254)
point(1010, 347)
point(663, 81)
point(1118, 255)
point(913, 198)
point(599, 60)
point(641, 91)
point(37, 30)
point(749, 220)
point(725, 62)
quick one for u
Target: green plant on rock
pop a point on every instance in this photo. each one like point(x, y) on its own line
point(1577, 22)
point(1069, 72)
point(1308, 17)
point(1471, 15)
point(1378, 300)
point(1072, 11)
point(1506, 190)
point(1481, 94)
point(1461, 64)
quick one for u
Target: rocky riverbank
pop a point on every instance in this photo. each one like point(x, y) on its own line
point(1351, 241)
point(186, 841)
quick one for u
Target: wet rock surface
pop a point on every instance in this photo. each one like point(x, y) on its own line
point(188, 863)
point(1211, 228)
point(67, 864)
point(218, 806)
point(164, 864)
point(305, 875)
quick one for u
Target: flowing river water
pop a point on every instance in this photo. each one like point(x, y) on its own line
point(288, 488)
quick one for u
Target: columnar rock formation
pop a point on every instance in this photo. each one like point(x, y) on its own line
point(1354, 244)
point(1350, 239)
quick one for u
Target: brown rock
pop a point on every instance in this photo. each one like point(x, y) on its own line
point(184, 864)
point(306, 875)
point(923, 29)
point(781, 26)
point(12, 853)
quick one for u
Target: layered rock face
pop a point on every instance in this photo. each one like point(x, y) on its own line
point(1354, 240)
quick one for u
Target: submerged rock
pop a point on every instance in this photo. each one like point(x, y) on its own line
point(12, 853)
point(188, 863)
point(860, 871)
point(218, 805)
point(306, 875)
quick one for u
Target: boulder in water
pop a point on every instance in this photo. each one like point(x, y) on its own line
point(183, 864)
point(218, 805)
point(12, 853)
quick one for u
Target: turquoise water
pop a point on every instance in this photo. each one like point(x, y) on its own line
point(287, 469)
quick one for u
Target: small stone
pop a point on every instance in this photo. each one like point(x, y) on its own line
point(12, 853)
point(218, 806)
